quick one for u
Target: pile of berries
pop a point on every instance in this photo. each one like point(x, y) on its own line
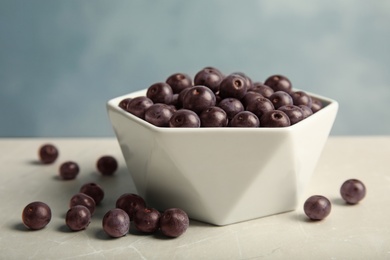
point(212, 99)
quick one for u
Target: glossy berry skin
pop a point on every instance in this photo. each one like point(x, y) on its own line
point(249, 96)
point(209, 77)
point(279, 83)
point(138, 105)
point(301, 98)
point(233, 86)
point(353, 191)
point(69, 170)
point(317, 207)
point(94, 190)
point(124, 103)
point(147, 220)
point(259, 106)
point(116, 223)
point(36, 215)
point(231, 106)
point(213, 117)
point(245, 119)
point(84, 200)
point(281, 98)
point(248, 80)
point(198, 98)
point(107, 165)
point(174, 222)
point(294, 113)
point(159, 114)
point(130, 203)
point(306, 111)
point(78, 218)
point(180, 98)
point(160, 92)
point(316, 105)
point(184, 118)
point(275, 118)
point(262, 89)
point(179, 81)
point(48, 153)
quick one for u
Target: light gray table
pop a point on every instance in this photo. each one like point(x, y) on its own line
point(350, 232)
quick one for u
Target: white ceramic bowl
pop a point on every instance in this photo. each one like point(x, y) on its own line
point(222, 175)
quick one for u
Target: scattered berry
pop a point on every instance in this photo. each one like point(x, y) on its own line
point(48, 153)
point(317, 207)
point(78, 218)
point(116, 223)
point(174, 222)
point(36, 215)
point(69, 170)
point(107, 165)
point(95, 191)
point(353, 191)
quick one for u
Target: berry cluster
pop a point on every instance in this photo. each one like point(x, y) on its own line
point(172, 222)
point(212, 99)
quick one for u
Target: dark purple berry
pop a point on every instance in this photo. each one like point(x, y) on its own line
point(95, 191)
point(147, 220)
point(316, 105)
point(69, 170)
point(107, 165)
point(262, 89)
point(116, 223)
point(48, 153)
point(159, 114)
point(124, 103)
point(248, 80)
point(260, 105)
point(174, 222)
point(213, 117)
point(138, 105)
point(78, 218)
point(233, 86)
point(353, 191)
point(209, 77)
point(36, 215)
point(231, 106)
point(198, 98)
point(160, 92)
point(249, 96)
point(306, 111)
point(317, 207)
point(294, 113)
point(179, 81)
point(180, 97)
point(279, 83)
point(175, 100)
point(301, 98)
point(245, 119)
point(274, 118)
point(184, 118)
point(280, 98)
point(130, 203)
point(84, 200)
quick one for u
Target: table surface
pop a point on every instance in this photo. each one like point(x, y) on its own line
point(360, 231)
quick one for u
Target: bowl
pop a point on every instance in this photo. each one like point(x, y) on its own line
point(222, 175)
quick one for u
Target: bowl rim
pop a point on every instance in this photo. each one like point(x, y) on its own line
point(112, 104)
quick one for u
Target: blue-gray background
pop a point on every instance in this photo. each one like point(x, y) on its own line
point(60, 61)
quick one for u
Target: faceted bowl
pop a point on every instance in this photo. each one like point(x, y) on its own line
point(222, 175)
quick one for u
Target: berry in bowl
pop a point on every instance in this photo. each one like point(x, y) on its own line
point(223, 148)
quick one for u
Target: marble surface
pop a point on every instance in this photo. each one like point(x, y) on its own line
point(350, 232)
